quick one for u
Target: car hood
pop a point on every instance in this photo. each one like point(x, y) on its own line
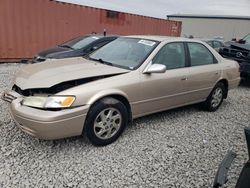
point(53, 72)
point(53, 51)
point(241, 46)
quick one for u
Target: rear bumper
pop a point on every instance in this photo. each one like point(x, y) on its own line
point(234, 83)
point(48, 125)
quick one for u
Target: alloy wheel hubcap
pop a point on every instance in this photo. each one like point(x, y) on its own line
point(107, 123)
point(216, 97)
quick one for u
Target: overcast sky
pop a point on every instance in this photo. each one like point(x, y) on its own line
point(161, 8)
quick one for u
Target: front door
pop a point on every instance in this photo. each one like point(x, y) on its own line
point(160, 91)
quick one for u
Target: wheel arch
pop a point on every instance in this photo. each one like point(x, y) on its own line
point(225, 82)
point(118, 95)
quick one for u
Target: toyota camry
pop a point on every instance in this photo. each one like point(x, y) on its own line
point(130, 77)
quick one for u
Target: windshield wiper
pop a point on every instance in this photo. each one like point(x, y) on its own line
point(101, 61)
point(66, 46)
point(105, 62)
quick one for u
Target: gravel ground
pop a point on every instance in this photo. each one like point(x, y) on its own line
point(177, 148)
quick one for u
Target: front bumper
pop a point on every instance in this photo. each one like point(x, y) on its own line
point(48, 125)
point(38, 59)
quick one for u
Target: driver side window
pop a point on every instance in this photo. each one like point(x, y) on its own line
point(171, 55)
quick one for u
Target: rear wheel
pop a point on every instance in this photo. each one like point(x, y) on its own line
point(106, 121)
point(215, 98)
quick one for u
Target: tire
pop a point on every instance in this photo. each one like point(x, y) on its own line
point(215, 98)
point(106, 121)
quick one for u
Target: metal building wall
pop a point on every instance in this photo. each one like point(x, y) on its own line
point(210, 27)
point(29, 26)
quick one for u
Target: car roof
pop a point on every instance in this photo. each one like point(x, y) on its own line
point(206, 40)
point(163, 38)
point(100, 35)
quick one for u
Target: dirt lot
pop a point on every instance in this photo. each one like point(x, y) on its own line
point(177, 148)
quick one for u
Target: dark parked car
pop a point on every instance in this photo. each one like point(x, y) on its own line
point(239, 51)
point(80, 46)
point(214, 43)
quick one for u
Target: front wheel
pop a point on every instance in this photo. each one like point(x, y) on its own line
point(215, 98)
point(106, 121)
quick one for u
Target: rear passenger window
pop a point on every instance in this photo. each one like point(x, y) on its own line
point(200, 55)
point(172, 55)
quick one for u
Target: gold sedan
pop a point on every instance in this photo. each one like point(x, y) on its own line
point(128, 78)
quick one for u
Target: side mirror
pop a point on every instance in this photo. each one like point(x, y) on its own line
point(155, 68)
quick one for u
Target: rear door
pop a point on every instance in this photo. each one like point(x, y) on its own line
point(204, 71)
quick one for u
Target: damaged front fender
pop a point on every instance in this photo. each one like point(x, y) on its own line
point(9, 96)
point(58, 87)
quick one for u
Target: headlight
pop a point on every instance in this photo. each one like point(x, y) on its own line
point(37, 102)
point(49, 102)
point(39, 57)
point(59, 101)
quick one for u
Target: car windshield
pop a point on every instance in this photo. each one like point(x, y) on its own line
point(79, 42)
point(247, 39)
point(125, 52)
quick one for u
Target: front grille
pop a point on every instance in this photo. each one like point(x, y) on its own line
point(225, 50)
point(234, 53)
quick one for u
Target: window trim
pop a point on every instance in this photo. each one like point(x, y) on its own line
point(185, 54)
point(215, 61)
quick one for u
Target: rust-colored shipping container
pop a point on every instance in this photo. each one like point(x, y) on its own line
point(29, 26)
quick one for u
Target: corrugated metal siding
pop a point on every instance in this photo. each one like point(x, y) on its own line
point(211, 27)
point(29, 26)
